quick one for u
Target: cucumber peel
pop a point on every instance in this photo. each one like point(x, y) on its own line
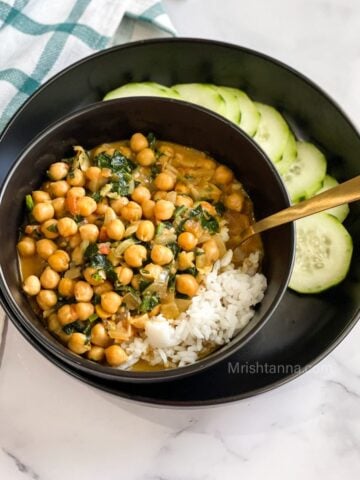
point(323, 254)
point(340, 212)
point(272, 133)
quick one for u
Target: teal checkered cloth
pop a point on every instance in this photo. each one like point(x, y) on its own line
point(39, 38)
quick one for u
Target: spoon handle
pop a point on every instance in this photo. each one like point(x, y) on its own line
point(344, 193)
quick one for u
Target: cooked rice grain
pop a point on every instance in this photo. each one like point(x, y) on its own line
point(223, 307)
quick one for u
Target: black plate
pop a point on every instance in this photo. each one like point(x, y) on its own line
point(304, 329)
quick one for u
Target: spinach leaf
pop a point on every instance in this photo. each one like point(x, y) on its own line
point(192, 271)
point(29, 202)
point(96, 196)
point(152, 140)
point(144, 284)
point(155, 170)
point(123, 185)
point(220, 208)
point(149, 302)
point(117, 162)
point(91, 250)
point(174, 247)
point(207, 221)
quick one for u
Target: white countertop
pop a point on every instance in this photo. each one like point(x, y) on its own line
point(52, 427)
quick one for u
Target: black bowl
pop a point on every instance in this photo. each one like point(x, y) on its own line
point(170, 120)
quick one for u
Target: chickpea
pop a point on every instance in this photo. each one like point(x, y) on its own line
point(187, 241)
point(140, 194)
point(75, 240)
point(26, 247)
point(45, 248)
point(84, 310)
point(148, 207)
point(234, 201)
point(185, 260)
point(104, 287)
point(59, 188)
point(49, 229)
point(77, 255)
point(49, 278)
point(78, 343)
point(96, 354)
point(93, 276)
point(165, 181)
point(161, 255)
point(59, 207)
point(66, 287)
point(164, 210)
point(124, 275)
point(53, 323)
point(138, 142)
point(102, 206)
point(110, 302)
point(118, 204)
point(46, 299)
point(182, 188)
point(93, 173)
point(58, 170)
point(115, 355)
point(125, 151)
point(86, 206)
point(77, 192)
point(207, 163)
point(89, 232)
point(32, 285)
point(67, 314)
point(131, 212)
point(223, 175)
point(83, 291)
point(43, 211)
point(39, 196)
point(186, 284)
point(151, 271)
point(67, 226)
point(99, 335)
point(135, 255)
point(100, 312)
point(194, 227)
point(208, 207)
point(211, 250)
point(166, 150)
point(135, 282)
point(59, 261)
point(145, 231)
point(146, 157)
point(76, 178)
point(115, 229)
point(159, 195)
point(184, 200)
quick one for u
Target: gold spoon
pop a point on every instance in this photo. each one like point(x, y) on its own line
point(344, 193)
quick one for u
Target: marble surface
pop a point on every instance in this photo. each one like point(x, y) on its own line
point(52, 427)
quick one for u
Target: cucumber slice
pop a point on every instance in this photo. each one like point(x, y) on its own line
point(323, 253)
point(249, 116)
point(289, 155)
point(306, 174)
point(146, 89)
point(232, 105)
point(202, 94)
point(340, 212)
point(272, 133)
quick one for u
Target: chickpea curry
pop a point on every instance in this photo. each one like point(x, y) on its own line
point(123, 232)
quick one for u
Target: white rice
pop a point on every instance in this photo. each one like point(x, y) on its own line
point(223, 307)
